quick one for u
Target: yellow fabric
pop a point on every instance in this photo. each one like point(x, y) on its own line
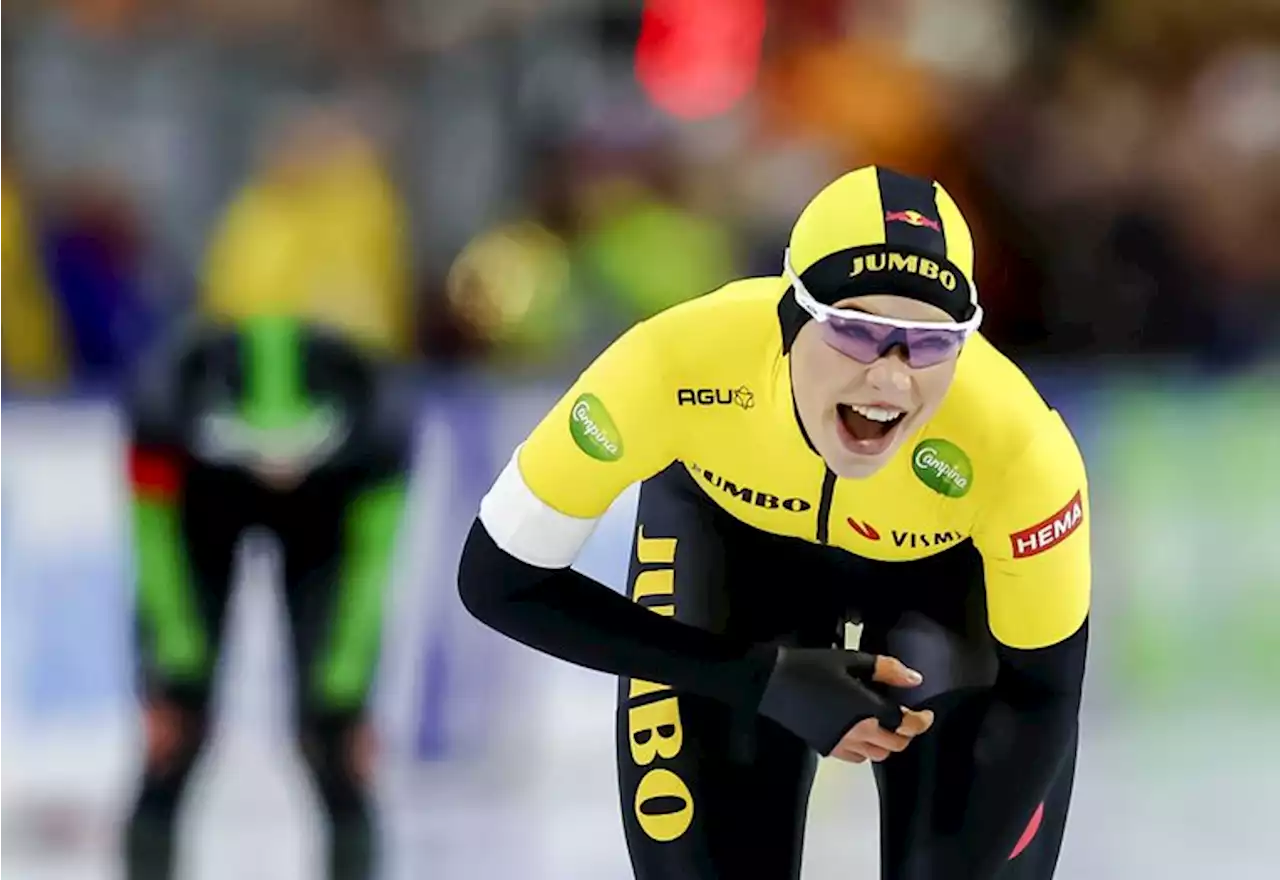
point(706, 384)
point(32, 333)
point(329, 249)
point(848, 213)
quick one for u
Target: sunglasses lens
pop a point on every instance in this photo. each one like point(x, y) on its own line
point(866, 342)
point(860, 340)
point(928, 347)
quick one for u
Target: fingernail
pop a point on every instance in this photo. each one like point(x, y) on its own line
point(914, 677)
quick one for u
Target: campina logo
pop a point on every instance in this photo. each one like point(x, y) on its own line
point(943, 467)
point(593, 429)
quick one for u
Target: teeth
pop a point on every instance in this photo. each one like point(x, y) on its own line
point(875, 413)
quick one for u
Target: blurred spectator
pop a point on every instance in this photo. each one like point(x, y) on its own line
point(1145, 195)
point(33, 344)
point(839, 73)
point(95, 253)
point(106, 18)
point(515, 289)
point(1117, 159)
point(319, 232)
point(642, 243)
point(648, 231)
point(511, 286)
point(609, 239)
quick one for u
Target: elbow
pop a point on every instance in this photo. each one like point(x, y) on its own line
point(1047, 681)
point(489, 579)
point(475, 586)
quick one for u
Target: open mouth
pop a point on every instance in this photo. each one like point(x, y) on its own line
point(868, 429)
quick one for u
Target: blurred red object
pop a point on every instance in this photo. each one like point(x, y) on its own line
point(698, 58)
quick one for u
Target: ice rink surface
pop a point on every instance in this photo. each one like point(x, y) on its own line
point(1153, 800)
point(523, 785)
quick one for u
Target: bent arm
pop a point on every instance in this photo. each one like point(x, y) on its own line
point(1034, 538)
point(614, 427)
point(568, 615)
point(175, 643)
point(1024, 738)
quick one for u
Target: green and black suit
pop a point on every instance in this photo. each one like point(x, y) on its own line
point(267, 425)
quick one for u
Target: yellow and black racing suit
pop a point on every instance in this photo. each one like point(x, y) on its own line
point(967, 556)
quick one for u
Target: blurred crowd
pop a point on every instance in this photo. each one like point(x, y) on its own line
point(511, 182)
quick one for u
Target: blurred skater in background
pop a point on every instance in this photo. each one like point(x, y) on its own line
point(278, 425)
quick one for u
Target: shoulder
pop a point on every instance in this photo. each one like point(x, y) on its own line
point(158, 389)
point(995, 414)
point(714, 330)
point(992, 403)
point(712, 342)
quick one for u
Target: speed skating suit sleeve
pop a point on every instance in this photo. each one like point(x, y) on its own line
point(1034, 538)
point(614, 427)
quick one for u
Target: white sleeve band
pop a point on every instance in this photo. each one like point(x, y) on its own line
point(527, 527)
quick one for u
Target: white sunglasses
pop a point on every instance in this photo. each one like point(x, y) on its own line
point(867, 338)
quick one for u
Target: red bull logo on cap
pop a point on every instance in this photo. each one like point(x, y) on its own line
point(915, 218)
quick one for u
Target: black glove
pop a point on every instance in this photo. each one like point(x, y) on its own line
point(819, 693)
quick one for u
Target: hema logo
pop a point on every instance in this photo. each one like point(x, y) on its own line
point(1053, 530)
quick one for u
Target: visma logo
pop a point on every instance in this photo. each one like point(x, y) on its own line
point(904, 539)
point(865, 529)
point(593, 429)
point(923, 539)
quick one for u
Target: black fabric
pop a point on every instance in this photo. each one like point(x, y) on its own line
point(710, 789)
point(151, 833)
point(1025, 736)
point(1003, 742)
point(890, 269)
point(790, 319)
point(199, 370)
point(568, 615)
point(217, 507)
point(953, 804)
point(911, 212)
point(747, 777)
point(815, 693)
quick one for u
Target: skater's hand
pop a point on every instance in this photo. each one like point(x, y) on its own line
point(825, 696)
point(867, 739)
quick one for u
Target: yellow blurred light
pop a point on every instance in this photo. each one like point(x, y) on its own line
point(503, 275)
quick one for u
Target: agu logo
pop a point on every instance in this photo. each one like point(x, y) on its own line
point(742, 396)
point(1053, 530)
